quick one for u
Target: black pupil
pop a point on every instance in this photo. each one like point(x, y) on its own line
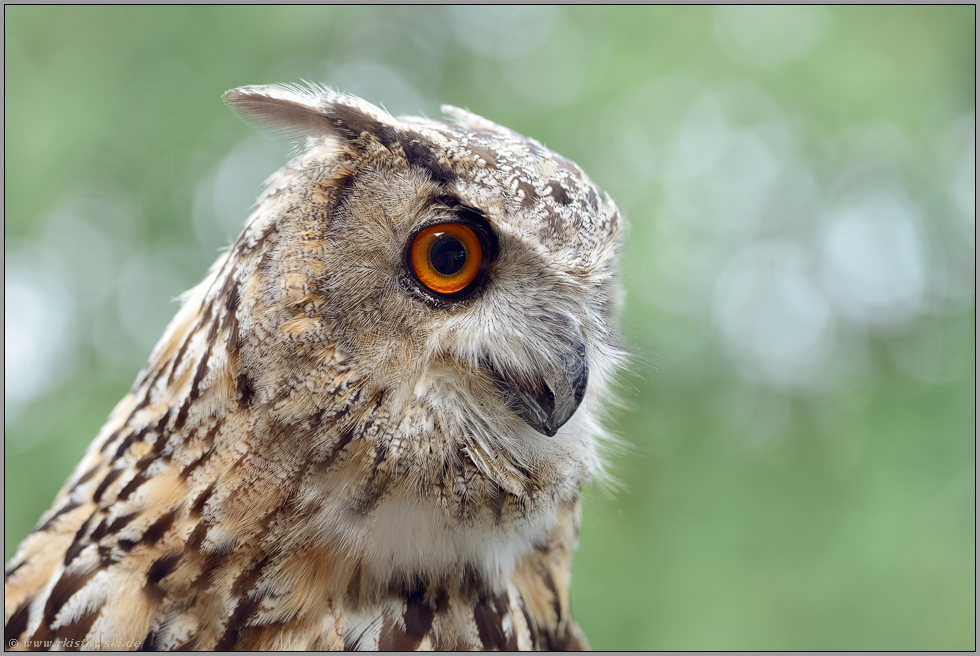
point(447, 256)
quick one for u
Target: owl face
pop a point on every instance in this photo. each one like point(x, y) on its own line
point(468, 268)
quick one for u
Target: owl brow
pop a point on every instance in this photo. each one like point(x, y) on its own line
point(460, 208)
point(352, 123)
point(473, 217)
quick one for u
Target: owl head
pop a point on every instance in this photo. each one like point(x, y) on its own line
point(442, 291)
point(462, 270)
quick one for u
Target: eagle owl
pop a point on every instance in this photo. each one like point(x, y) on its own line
point(369, 426)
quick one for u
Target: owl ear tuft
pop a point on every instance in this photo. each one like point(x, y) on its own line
point(300, 113)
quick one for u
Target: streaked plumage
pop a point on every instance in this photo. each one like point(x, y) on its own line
point(322, 453)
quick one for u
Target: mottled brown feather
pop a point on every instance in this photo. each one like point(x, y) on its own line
point(316, 455)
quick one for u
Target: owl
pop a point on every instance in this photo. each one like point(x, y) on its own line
point(370, 424)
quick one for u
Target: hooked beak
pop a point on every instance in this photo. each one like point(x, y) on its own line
point(548, 399)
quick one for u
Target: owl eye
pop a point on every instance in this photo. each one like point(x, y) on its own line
point(446, 258)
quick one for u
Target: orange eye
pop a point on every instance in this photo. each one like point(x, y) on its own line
point(446, 257)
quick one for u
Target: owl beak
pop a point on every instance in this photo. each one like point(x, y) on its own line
point(548, 400)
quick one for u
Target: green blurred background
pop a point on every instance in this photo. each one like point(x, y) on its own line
point(799, 469)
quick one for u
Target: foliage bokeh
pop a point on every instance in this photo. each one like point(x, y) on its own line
point(798, 459)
